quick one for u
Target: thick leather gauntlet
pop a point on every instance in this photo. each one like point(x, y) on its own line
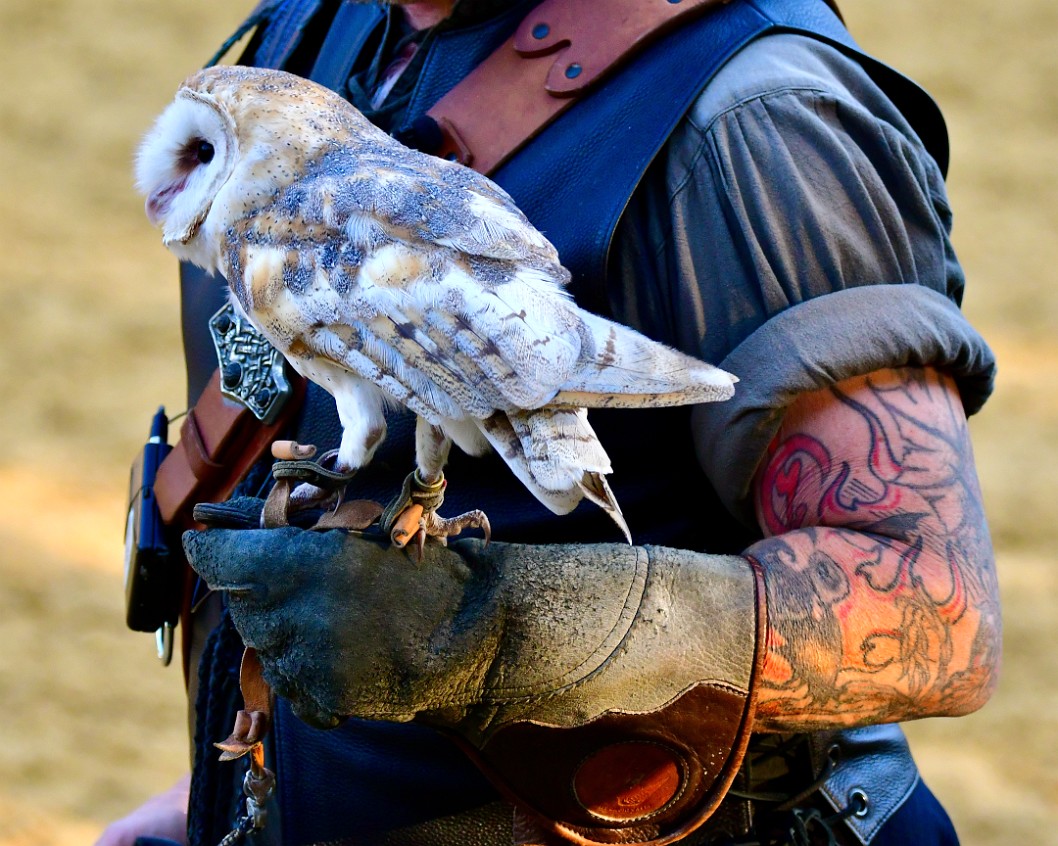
point(604, 687)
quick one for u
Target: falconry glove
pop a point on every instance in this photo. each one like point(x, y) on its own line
point(606, 688)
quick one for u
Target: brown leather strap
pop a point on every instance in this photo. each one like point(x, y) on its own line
point(194, 445)
point(220, 440)
point(254, 720)
point(557, 53)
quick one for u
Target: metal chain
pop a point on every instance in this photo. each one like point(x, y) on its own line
point(243, 826)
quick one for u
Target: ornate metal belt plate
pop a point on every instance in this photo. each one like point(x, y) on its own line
point(252, 371)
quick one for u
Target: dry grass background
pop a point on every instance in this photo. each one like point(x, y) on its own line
point(90, 724)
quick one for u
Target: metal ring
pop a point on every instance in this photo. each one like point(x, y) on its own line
point(859, 795)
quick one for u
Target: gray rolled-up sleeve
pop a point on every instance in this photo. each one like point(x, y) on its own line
point(795, 232)
point(818, 343)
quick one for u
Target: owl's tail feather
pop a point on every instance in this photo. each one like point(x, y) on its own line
point(597, 489)
point(499, 432)
point(629, 370)
point(556, 454)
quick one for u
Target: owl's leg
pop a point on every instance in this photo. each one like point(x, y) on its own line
point(413, 515)
point(432, 446)
point(363, 425)
point(359, 406)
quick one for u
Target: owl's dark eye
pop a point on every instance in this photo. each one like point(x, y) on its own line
point(204, 152)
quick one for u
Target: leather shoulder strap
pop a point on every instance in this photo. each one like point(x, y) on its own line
point(574, 180)
point(558, 53)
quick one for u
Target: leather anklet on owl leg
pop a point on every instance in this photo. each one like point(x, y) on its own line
point(412, 514)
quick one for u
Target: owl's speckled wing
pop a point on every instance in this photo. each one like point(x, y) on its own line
point(430, 284)
point(443, 203)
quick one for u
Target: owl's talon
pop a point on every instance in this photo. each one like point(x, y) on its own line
point(443, 528)
point(414, 525)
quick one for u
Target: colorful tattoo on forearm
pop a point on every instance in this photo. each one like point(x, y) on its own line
point(882, 598)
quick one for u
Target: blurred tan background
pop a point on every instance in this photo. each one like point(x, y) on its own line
point(90, 723)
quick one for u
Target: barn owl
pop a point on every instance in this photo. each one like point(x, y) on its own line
point(389, 276)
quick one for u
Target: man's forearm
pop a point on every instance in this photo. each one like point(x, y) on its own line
point(882, 600)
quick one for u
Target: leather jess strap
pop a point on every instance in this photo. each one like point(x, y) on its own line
point(557, 53)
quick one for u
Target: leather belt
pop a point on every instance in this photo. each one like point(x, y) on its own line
point(220, 440)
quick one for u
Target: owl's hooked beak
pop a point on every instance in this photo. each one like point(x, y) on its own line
point(189, 232)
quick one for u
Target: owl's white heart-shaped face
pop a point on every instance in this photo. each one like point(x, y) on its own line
point(231, 139)
point(183, 162)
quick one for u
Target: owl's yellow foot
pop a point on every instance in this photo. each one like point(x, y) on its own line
point(412, 516)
